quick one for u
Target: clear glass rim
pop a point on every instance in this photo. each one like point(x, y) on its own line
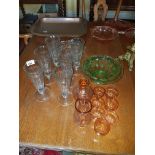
point(77, 39)
point(51, 36)
point(39, 71)
point(43, 46)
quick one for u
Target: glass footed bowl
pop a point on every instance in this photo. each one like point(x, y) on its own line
point(102, 69)
point(104, 33)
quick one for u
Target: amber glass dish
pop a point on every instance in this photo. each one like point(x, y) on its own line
point(101, 126)
point(111, 117)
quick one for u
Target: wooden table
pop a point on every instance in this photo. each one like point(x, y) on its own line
point(49, 125)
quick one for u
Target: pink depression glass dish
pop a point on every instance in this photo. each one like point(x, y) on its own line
point(104, 33)
point(119, 25)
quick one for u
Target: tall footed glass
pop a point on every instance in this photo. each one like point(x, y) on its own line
point(54, 46)
point(64, 77)
point(65, 57)
point(77, 48)
point(34, 72)
point(42, 55)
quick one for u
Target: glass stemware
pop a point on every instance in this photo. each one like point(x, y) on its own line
point(65, 57)
point(63, 77)
point(54, 46)
point(77, 48)
point(83, 90)
point(34, 71)
point(42, 55)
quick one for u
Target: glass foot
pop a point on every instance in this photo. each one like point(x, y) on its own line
point(66, 101)
point(43, 97)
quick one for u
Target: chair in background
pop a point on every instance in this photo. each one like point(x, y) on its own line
point(100, 10)
point(83, 8)
point(115, 5)
point(118, 10)
point(61, 5)
point(94, 5)
point(28, 19)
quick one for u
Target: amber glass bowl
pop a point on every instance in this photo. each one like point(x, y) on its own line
point(111, 103)
point(101, 126)
point(99, 91)
point(112, 92)
point(111, 117)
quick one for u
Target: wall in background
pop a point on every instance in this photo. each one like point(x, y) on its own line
point(71, 10)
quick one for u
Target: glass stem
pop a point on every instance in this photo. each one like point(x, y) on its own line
point(41, 91)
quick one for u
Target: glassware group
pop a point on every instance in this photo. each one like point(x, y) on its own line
point(55, 59)
point(98, 104)
point(95, 104)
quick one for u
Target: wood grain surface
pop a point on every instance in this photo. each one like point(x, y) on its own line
point(49, 125)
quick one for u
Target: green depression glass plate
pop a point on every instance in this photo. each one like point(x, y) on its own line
point(102, 69)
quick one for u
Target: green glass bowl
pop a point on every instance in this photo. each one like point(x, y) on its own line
point(102, 69)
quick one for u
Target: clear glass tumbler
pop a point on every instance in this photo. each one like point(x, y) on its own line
point(34, 71)
point(42, 55)
point(77, 48)
point(54, 46)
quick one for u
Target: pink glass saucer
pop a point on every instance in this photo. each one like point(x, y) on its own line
point(104, 33)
